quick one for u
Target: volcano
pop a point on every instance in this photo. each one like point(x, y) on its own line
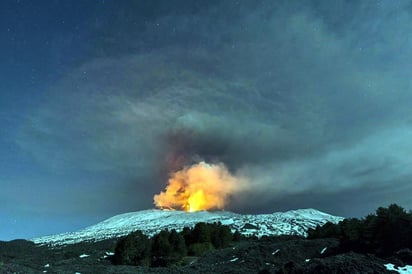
point(150, 222)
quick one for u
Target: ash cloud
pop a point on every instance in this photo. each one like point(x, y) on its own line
point(310, 102)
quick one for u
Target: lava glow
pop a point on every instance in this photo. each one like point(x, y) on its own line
point(201, 186)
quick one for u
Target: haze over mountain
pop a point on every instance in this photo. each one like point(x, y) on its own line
point(307, 104)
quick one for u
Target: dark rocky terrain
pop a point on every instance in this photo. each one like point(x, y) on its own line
point(267, 255)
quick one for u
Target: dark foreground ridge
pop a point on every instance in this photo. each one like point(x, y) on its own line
point(351, 246)
point(271, 255)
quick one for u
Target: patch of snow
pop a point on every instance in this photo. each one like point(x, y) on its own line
point(46, 265)
point(227, 222)
point(109, 253)
point(234, 260)
point(44, 271)
point(307, 260)
point(407, 269)
point(323, 250)
point(275, 252)
point(84, 256)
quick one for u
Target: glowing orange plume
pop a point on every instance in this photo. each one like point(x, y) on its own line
point(201, 186)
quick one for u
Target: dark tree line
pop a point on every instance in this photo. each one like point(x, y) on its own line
point(382, 233)
point(169, 247)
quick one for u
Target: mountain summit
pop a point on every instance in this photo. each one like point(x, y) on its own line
point(293, 222)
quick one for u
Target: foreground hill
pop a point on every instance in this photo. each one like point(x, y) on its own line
point(91, 250)
point(286, 254)
point(294, 222)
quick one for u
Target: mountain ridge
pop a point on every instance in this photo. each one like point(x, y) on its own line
point(151, 221)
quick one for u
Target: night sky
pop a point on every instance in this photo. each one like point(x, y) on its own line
point(311, 101)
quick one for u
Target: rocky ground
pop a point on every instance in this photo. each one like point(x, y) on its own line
point(273, 255)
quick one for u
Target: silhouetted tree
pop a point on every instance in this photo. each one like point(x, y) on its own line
point(178, 244)
point(201, 233)
point(161, 248)
point(392, 229)
point(134, 249)
point(168, 247)
point(221, 236)
point(237, 236)
point(382, 233)
point(187, 235)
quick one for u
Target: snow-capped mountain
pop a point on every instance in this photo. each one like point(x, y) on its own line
point(294, 222)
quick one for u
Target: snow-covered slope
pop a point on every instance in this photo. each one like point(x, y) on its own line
point(294, 222)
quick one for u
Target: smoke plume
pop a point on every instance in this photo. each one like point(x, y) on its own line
point(201, 186)
point(313, 108)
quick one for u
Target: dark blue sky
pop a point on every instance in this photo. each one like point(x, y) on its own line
point(311, 102)
point(40, 42)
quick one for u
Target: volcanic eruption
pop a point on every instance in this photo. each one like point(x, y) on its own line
point(201, 186)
